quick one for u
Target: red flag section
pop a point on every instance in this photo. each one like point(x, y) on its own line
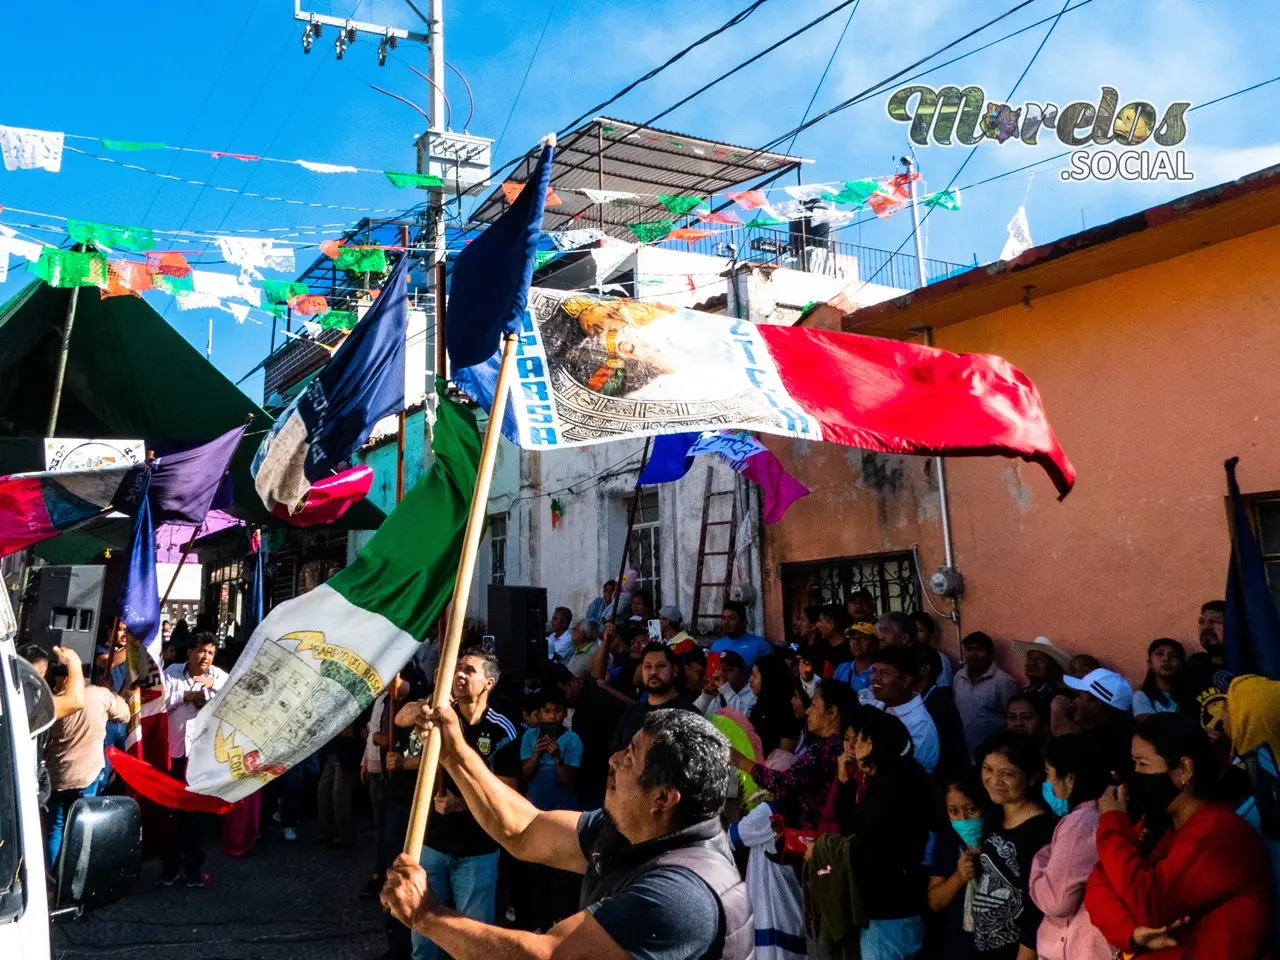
point(160, 787)
point(905, 398)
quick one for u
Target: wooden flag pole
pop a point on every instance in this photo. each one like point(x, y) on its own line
point(440, 697)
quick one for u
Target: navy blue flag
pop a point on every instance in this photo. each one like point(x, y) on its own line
point(183, 484)
point(361, 384)
point(1251, 626)
point(489, 291)
point(669, 459)
point(139, 601)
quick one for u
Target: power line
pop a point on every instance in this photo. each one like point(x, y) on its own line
point(196, 119)
point(733, 21)
point(529, 69)
point(823, 79)
point(871, 90)
point(950, 183)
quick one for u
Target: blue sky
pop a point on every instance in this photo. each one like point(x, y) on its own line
point(232, 76)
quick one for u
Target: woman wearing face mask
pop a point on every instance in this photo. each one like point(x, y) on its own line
point(1005, 919)
point(1075, 776)
point(954, 870)
point(1198, 885)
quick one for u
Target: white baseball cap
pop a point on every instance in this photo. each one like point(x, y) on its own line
point(1107, 685)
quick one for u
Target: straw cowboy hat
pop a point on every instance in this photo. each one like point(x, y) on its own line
point(1042, 645)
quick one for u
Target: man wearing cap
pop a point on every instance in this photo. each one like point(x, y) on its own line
point(982, 690)
point(1101, 711)
point(673, 632)
point(864, 643)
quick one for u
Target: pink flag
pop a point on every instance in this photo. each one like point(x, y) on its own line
point(748, 199)
point(727, 217)
point(330, 498)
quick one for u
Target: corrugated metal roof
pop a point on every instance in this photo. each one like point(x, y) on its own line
point(608, 154)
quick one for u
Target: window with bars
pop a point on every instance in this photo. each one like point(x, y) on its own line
point(498, 548)
point(890, 578)
point(646, 547)
point(1266, 513)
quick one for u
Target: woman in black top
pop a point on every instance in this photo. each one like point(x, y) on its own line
point(889, 820)
point(775, 722)
point(1005, 920)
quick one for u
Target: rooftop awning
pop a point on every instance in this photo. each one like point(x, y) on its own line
point(606, 154)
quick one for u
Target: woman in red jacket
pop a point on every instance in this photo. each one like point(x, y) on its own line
point(1194, 882)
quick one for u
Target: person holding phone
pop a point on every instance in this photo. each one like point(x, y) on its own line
point(551, 756)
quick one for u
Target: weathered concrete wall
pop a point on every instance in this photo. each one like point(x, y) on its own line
point(1151, 379)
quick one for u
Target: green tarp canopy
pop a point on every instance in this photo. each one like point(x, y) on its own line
point(129, 374)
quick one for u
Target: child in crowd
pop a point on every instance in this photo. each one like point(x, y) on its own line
point(954, 869)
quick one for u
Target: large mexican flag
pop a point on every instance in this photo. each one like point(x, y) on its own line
point(316, 661)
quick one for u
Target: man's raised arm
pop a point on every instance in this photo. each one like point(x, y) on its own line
point(549, 837)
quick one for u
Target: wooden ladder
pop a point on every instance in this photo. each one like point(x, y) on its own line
point(710, 497)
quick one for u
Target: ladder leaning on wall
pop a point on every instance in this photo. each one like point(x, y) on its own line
point(707, 581)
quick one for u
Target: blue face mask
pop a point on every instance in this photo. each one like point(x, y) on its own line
point(969, 831)
point(1055, 803)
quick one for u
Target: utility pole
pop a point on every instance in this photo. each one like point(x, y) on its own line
point(944, 506)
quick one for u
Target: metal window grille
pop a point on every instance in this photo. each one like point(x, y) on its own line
point(889, 577)
point(646, 547)
point(498, 548)
point(1266, 511)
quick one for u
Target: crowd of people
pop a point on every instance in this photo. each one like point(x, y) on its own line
point(882, 800)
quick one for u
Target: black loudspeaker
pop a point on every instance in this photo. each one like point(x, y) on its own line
point(518, 623)
point(68, 608)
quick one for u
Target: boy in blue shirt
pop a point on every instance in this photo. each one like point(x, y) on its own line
point(550, 756)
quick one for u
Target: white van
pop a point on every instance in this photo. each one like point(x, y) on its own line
point(101, 852)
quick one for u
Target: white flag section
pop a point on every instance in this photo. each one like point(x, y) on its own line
point(25, 149)
point(291, 690)
point(1019, 236)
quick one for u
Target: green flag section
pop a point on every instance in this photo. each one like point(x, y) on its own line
point(542, 257)
point(678, 204)
point(359, 260)
point(945, 199)
point(282, 291)
point(278, 310)
point(174, 286)
point(315, 662)
point(856, 192)
point(763, 220)
point(338, 320)
point(413, 179)
point(69, 268)
point(132, 145)
point(650, 231)
point(110, 235)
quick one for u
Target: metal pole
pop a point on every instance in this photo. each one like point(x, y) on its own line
point(442, 357)
point(61, 373)
point(943, 505)
point(915, 223)
point(435, 33)
point(600, 168)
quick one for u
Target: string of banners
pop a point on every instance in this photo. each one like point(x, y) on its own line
point(835, 203)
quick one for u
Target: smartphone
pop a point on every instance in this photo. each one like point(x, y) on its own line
point(713, 664)
point(553, 730)
point(655, 631)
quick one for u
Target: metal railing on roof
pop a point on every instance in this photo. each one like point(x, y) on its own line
point(820, 254)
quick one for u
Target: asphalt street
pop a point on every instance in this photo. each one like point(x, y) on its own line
point(285, 900)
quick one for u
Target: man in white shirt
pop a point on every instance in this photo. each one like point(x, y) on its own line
point(893, 677)
point(187, 688)
point(560, 639)
point(729, 689)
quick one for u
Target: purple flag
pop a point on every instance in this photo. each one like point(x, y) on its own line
point(673, 454)
point(183, 483)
